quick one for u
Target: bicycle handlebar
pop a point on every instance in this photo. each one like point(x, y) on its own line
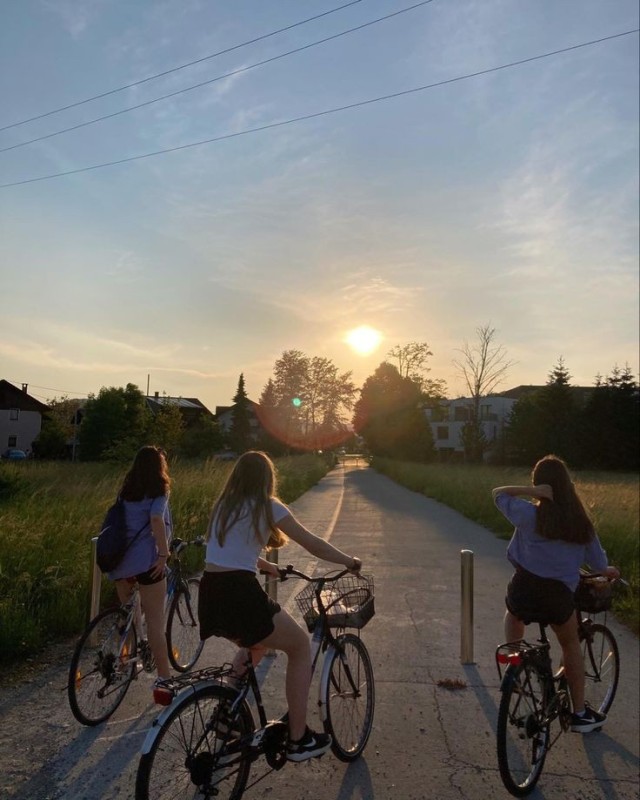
point(290, 571)
point(178, 545)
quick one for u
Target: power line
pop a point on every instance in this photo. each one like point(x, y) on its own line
point(317, 114)
point(213, 80)
point(177, 69)
point(50, 389)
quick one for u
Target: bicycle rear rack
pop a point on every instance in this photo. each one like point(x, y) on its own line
point(519, 652)
point(177, 683)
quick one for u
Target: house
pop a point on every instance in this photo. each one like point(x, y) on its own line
point(449, 418)
point(224, 418)
point(20, 417)
point(191, 409)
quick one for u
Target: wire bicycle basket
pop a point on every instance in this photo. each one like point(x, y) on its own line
point(348, 602)
point(594, 594)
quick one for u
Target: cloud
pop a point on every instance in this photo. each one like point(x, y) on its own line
point(76, 15)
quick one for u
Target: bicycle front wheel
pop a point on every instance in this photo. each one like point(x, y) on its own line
point(183, 631)
point(185, 754)
point(102, 667)
point(523, 736)
point(601, 667)
point(348, 696)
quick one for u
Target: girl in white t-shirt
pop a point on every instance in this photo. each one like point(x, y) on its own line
point(246, 518)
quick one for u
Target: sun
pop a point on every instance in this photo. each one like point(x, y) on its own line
point(364, 340)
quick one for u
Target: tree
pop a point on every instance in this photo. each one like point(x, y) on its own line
point(390, 418)
point(202, 439)
point(483, 366)
point(59, 428)
point(411, 360)
point(115, 424)
point(304, 406)
point(240, 434)
point(612, 424)
point(167, 427)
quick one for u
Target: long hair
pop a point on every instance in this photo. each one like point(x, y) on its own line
point(148, 475)
point(250, 487)
point(564, 517)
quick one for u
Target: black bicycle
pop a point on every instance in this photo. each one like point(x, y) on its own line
point(111, 652)
point(534, 696)
point(203, 745)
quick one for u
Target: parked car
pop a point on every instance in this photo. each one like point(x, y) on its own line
point(13, 454)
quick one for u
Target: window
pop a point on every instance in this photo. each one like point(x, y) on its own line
point(460, 414)
point(12, 441)
point(14, 414)
point(442, 432)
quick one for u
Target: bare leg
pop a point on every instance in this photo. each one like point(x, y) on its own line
point(153, 598)
point(289, 637)
point(513, 627)
point(567, 634)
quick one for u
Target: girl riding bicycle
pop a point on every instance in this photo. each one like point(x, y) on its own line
point(246, 518)
point(145, 491)
point(553, 538)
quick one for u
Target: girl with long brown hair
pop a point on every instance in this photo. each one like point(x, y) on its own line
point(247, 517)
point(553, 538)
point(145, 491)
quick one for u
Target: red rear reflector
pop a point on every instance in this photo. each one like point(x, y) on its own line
point(509, 658)
point(162, 697)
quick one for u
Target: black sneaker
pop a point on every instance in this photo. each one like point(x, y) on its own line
point(311, 745)
point(592, 720)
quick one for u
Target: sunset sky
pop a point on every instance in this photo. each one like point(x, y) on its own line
point(440, 200)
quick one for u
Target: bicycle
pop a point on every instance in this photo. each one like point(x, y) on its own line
point(204, 743)
point(534, 696)
point(111, 653)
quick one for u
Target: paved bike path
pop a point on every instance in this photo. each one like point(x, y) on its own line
point(427, 741)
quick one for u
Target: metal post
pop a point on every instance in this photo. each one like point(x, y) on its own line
point(466, 627)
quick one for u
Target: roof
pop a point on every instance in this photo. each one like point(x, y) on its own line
point(183, 403)
point(13, 397)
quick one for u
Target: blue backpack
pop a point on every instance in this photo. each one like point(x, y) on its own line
point(112, 541)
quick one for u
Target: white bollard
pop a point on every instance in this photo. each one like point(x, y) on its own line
point(466, 617)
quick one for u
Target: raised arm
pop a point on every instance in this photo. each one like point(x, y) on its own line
point(540, 492)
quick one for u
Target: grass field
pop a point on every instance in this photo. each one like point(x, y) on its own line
point(612, 500)
point(49, 511)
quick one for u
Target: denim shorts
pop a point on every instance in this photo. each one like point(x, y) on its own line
point(531, 598)
point(234, 605)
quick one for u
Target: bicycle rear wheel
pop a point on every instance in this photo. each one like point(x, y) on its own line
point(183, 754)
point(347, 694)
point(523, 738)
point(183, 631)
point(601, 667)
point(102, 667)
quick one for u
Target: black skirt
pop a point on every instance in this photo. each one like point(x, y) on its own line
point(531, 598)
point(234, 605)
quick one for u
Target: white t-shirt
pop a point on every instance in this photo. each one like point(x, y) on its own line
point(241, 545)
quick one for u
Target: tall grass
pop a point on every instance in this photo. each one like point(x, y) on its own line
point(612, 499)
point(49, 511)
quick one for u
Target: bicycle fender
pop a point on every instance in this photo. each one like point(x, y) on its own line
point(324, 678)
point(159, 721)
point(508, 678)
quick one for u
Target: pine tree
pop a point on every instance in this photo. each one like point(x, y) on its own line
point(240, 437)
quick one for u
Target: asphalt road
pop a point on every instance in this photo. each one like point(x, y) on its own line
point(428, 741)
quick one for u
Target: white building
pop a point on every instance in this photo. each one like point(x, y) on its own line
point(449, 418)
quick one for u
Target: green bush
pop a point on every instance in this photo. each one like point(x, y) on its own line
point(49, 512)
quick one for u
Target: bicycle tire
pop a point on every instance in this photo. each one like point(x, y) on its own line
point(184, 645)
point(522, 738)
point(102, 667)
point(180, 755)
point(601, 667)
point(347, 696)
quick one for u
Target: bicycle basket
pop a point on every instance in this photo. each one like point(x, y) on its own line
point(349, 602)
point(594, 595)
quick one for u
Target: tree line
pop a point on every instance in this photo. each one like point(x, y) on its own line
point(308, 404)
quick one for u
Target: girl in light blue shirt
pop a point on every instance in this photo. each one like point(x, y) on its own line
point(553, 538)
